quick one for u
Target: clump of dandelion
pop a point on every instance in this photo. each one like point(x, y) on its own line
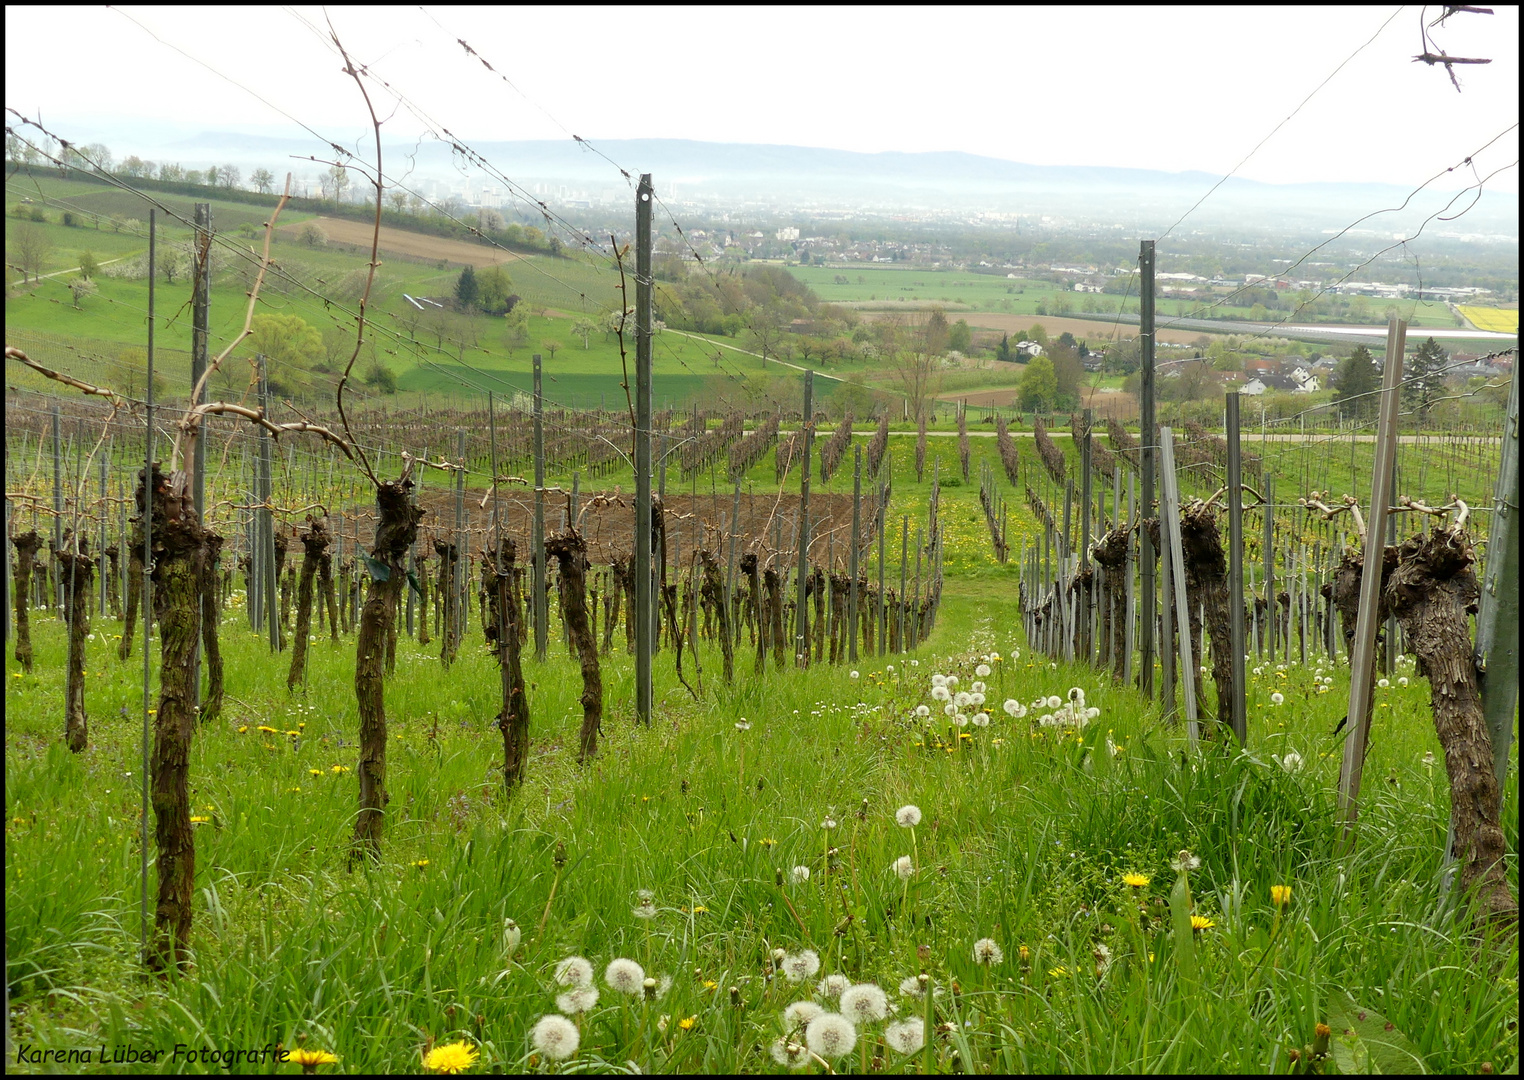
point(555, 1036)
point(831, 986)
point(801, 874)
point(864, 1003)
point(1383, 683)
point(830, 1035)
point(799, 1014)
point(976, 686)
point(625, 976)
point(962, 698)
point(453, 1057)
point(1054, 701)
point(801, 966)
point(574, 971)
point(987, 953)
point(981, 719)
point(952, 682)
point(1077, 695)
point(982, 670)
point(950, 709)
point(939, 680)
point(1277, 698)
point(922, 712)
point(904, 867)
point(580, 1000)
point(906, 1037)
point(908, 816)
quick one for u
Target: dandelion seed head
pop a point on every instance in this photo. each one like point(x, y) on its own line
point(864, 1003)
point(800, 1013)
point(801, 874)
point(801, 966)
point(625, 976)
point(575, 971)
point(941, 693)
point(982, 670)
point(792, 1054)
point(987, 952)
point(908, 816)
point(1054, 701)
point(904, 868)
point(576, 1001)
point(922, 711)
point(981, 719)
point(830, 1035)
point(555, 1036)
point(906, 1037)
point(939, 680)
point(831, 986)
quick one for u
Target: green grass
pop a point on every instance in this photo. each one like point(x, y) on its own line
point(1024, 840)
point(981, 292)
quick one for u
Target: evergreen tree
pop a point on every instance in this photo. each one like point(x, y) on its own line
point(466, 290)
point(1003, 350)
point(1354, 380)
point(1423, 381)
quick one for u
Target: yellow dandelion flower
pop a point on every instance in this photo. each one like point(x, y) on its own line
point(450, 1058)
point(421, 863)
point(1201, 922)
point(243, 729)
point(309, 1060)
point(768, 841)
point(339, 769)
point(1058, 972)
point(1137, 881)
point(710, 984)
point(198, 819)
point(698, 908)
point(315, 772)
point(687, 1022)
point(266, 728)
point(1280, 895)
point(293, 734)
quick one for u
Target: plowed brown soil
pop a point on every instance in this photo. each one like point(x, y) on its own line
point(463, 252)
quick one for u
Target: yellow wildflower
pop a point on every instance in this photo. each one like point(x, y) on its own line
point(309, 1060)
point(1137, 881)
point(197, 819)
point(687, 1022)
point(1280, 895)
point(1201, 922)
point(450, 1058)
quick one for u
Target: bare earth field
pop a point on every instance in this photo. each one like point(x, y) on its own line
point(1094, 330)
point(343, 231)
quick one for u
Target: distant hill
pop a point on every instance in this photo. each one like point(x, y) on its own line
point(780, 174)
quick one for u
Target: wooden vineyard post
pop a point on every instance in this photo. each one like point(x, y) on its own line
point(1363, 649)
point(1497, 623)
point(644, 609)
point(537, 540)
point(857, 500)
point(1239, 713)
point(1170, 519)
point(1146, 440)
point(801, 609)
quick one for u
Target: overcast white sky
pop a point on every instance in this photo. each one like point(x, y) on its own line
point(1045, 85)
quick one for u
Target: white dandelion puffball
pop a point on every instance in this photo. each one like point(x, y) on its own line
point(976, 699)
point(1092, 712)
point(904, 868)
point(976, 687)
point(511, 935)
point(911, 987)
point(801, 966)
point(941, 693)
point(952, 682)
point(922, 711)
point(1402, 680)
point(1292, 762)
point(743, 724)
point(801, 874)
point(863, 1003)
point(987, 953)
point(915, 663)
point(1383, 683)
point(939, 680)
point(831, 986)
point(828, 824)
point(950, 709)
point(887, 667)
point(792, 1054)
point(778, 955)
point(1011, 706)
point(800, 1013)
point(906, 1037)
point(962, 698)
point(981, 719)
point(1055, 701)
point(576, 1001)
point(959, 718)
point(1277, 698)
point(1077, 694)
point(555, 1036)
point(575, 971)
point(856, 675)
point(982, 670)
point(908, 816)
point(831, 1035)
point(625, 976)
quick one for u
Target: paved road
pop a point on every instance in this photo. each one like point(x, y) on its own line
point(1245, 436)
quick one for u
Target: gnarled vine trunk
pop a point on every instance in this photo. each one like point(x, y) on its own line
point(27, 545)
point(1206, 590)
point(134, 591)
point(714, 593)
point(211, 649)
point(396, 530)
point(1111, 555)
point(314, 546)
point(78, 571)
point(1432, 592)
point(570, 551)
